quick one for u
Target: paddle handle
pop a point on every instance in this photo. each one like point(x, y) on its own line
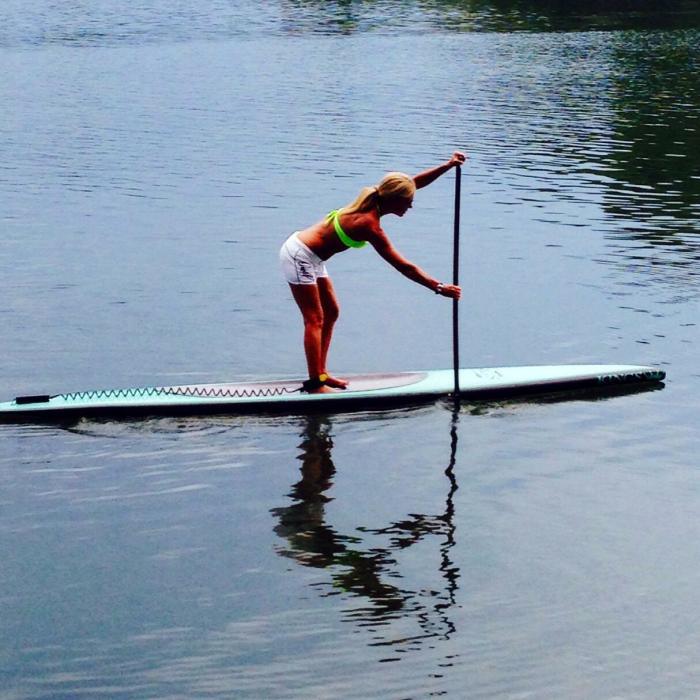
point(455, 281)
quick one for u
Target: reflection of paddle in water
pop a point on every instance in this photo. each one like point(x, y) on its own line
point(410, 531)
point(357, 567)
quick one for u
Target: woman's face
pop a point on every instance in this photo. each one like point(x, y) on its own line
point(399, 205)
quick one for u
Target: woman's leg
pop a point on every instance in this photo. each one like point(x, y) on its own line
point(331, 310)
point(308, 300)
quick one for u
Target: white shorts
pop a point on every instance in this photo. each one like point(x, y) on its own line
point(300, 265)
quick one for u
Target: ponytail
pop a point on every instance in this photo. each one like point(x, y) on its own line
point(365, 201)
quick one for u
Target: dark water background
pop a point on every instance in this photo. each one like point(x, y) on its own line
point(154, 155)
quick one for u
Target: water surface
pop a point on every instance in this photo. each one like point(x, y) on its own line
point(152, 160)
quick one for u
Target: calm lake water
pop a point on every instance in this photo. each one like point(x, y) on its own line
point(154, 155)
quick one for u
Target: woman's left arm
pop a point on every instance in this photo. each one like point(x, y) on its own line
point(425, 178)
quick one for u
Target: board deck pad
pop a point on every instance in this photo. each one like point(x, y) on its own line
point(365, 391)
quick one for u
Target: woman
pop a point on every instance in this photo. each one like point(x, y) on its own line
point(304, 254)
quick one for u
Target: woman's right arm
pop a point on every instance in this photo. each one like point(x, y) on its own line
point(381, 243)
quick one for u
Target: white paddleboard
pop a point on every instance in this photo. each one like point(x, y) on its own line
point(366, 391)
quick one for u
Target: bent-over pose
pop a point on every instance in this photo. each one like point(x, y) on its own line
point(303, 257)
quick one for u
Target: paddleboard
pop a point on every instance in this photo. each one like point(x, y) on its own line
point(366, 391)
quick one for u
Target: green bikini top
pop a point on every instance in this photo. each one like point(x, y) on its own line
point(344, 238)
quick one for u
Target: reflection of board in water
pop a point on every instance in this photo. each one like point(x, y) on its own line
point(366, 391)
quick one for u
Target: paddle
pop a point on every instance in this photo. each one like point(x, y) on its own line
point(455, 281)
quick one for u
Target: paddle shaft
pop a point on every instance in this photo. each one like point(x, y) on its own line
point(455, 281)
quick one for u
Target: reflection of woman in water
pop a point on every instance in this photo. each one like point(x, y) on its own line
point(356, 568)
point(312, 542)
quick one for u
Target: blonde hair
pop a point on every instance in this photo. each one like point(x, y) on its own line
point(391, 186)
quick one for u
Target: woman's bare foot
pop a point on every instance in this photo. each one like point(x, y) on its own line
point(336, 383)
